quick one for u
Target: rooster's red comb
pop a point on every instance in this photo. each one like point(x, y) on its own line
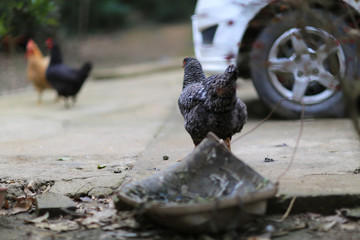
point(30, 44)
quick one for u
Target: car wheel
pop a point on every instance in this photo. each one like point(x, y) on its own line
point(303, 63)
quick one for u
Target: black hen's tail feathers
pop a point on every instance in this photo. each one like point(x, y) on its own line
point(231, 72)
point(84, 71)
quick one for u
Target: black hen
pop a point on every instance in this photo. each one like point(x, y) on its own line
point(210, 104)
point(65, 80)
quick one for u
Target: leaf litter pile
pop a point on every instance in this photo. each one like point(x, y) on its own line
point(21, 195)
point(96, 217)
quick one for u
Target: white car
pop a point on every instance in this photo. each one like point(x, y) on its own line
point(292, 51)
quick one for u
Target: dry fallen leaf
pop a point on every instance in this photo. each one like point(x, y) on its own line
point(63, 226)
point(47, 189)
point(351, 212)
point(38, 219)
point(90, 221)
point(22, 206)
point(326, 227)
point(112, 227)
point(350, 227)
point(28, 192)
point(92, 226)
point(336, 218)
point(6, 204)
point(127, 221)
point(32, 185)
point(100, 217)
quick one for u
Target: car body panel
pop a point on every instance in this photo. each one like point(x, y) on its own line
point(232, 18)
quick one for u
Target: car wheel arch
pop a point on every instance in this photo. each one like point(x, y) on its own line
point(266, 14)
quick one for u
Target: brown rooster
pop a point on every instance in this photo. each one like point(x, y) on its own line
point(36, 68)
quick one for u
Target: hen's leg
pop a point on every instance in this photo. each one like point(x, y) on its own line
point(57, 99)
point(73, 100)
point(227, 142)
point(39, 97)
point(67, 105)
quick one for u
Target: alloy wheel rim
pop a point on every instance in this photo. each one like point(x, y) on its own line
point(305, 65)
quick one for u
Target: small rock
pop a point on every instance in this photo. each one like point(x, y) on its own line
point(64, 159)
point(117, 171)
point(270, 228)
point(53, 203)
point(269, 160)
point(281, 145)
point(165, 157)
point(357, 171)
point(154, 169)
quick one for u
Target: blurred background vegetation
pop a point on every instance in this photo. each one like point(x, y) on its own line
point(38, 19)
point(109, 33)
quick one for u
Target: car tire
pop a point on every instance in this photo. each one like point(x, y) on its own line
point(299, 44)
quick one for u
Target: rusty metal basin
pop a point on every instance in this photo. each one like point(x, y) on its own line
point(209, 191)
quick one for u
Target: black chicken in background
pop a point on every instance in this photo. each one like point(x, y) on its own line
point(65, 80)
point(210, 104)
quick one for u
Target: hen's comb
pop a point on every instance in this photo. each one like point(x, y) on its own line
point(30, 44)
point(49, 42)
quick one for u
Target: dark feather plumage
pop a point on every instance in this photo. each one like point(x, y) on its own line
point(65, 80)
point(210, 104)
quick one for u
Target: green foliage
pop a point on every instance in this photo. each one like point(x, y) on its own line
point(108, 13)
point(164, 11)
point(113, 14)
point(24, 16)
point(28, 17)
point(103, 15)
point(3, 29)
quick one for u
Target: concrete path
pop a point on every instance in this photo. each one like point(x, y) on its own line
point(129, 124)
point(112, 123)
point(324, 163)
